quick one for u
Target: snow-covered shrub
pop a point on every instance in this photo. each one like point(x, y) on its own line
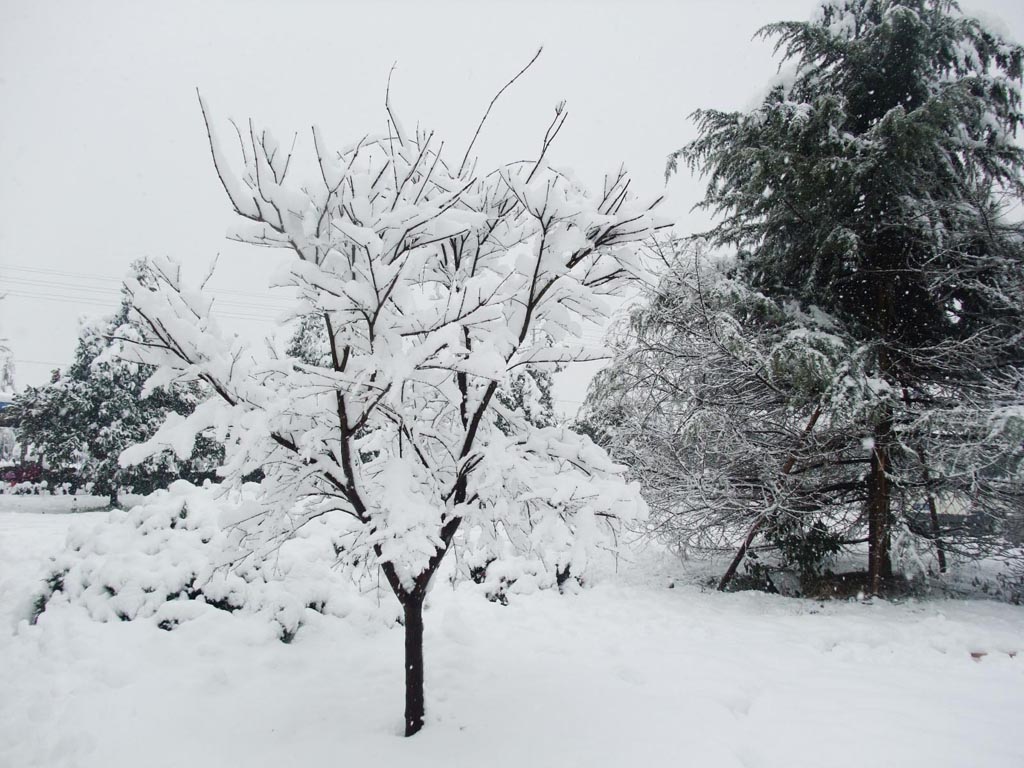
point(182, 551)
point(25, 489)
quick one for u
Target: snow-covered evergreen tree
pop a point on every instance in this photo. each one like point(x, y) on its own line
point(434, 284)
point(309, 341)
point(872, 181)
point(529, 392)
point(81, 422)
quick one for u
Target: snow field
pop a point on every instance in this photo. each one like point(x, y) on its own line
point(626, 673)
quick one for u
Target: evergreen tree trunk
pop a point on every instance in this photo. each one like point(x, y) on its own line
point(879, 495)
point(879, 491)
point(940, 549)
point(414, 706)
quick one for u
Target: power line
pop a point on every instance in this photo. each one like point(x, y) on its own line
point(255, 308)
point(99, 303)
point(72, 294)
point(118, 281)
point(258, 300)
point(54, 297)
point(113, 293)
point(20, 361)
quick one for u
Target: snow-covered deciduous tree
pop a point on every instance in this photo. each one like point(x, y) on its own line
point(431, 285)
point(873, 181)
point(735, 413)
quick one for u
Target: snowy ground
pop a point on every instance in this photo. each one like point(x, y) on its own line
point(627, 673)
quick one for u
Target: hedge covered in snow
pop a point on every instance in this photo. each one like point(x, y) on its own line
point(182, 552)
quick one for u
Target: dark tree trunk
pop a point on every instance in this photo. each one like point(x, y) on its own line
point(414, 707)
point(879, 495)
point(741, 553)
point(412, 606)
point(940, 549)
point(879, 491)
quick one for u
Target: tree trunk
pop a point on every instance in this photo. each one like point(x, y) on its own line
point(940, 549)
point(412, 607)
point(414, 707)
point(879, 564)
point(741, 553)
point(879, 492)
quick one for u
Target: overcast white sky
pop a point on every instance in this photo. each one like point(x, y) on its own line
point(103, 155)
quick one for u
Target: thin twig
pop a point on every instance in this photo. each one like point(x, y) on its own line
point(483, 119)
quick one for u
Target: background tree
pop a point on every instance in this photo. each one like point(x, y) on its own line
point(529, 392)
point(735, 414)
point(7, 440)
point(872, 182)
point(308, 341)
point(81, 422)
point(434, 284)
point(6, 367)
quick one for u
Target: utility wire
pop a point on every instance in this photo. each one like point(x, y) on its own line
point(91, 302)
point(236, 307)
point(116, 281)
point(112, 293)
